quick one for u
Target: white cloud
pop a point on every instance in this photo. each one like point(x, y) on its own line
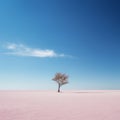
point(22, 50)
point(11, 46)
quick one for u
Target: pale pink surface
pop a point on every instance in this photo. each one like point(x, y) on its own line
point(45, 105)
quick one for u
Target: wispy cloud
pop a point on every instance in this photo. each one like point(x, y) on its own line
point(22, 50)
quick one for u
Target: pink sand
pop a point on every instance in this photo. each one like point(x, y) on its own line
point(50, 105)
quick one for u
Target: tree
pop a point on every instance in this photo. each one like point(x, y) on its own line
point(61, 79)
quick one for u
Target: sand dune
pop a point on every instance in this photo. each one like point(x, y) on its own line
point(68, 105)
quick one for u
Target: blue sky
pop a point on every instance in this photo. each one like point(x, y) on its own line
point(41, 37)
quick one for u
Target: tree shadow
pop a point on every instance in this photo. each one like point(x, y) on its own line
point(87, 92)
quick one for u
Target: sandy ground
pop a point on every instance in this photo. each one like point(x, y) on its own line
point(68, 105)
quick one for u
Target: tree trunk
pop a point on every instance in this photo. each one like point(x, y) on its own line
point(58, 87)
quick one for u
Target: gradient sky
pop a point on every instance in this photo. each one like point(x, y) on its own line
point(41, 37)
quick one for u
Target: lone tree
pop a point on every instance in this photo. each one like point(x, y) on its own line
point(61, 79)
